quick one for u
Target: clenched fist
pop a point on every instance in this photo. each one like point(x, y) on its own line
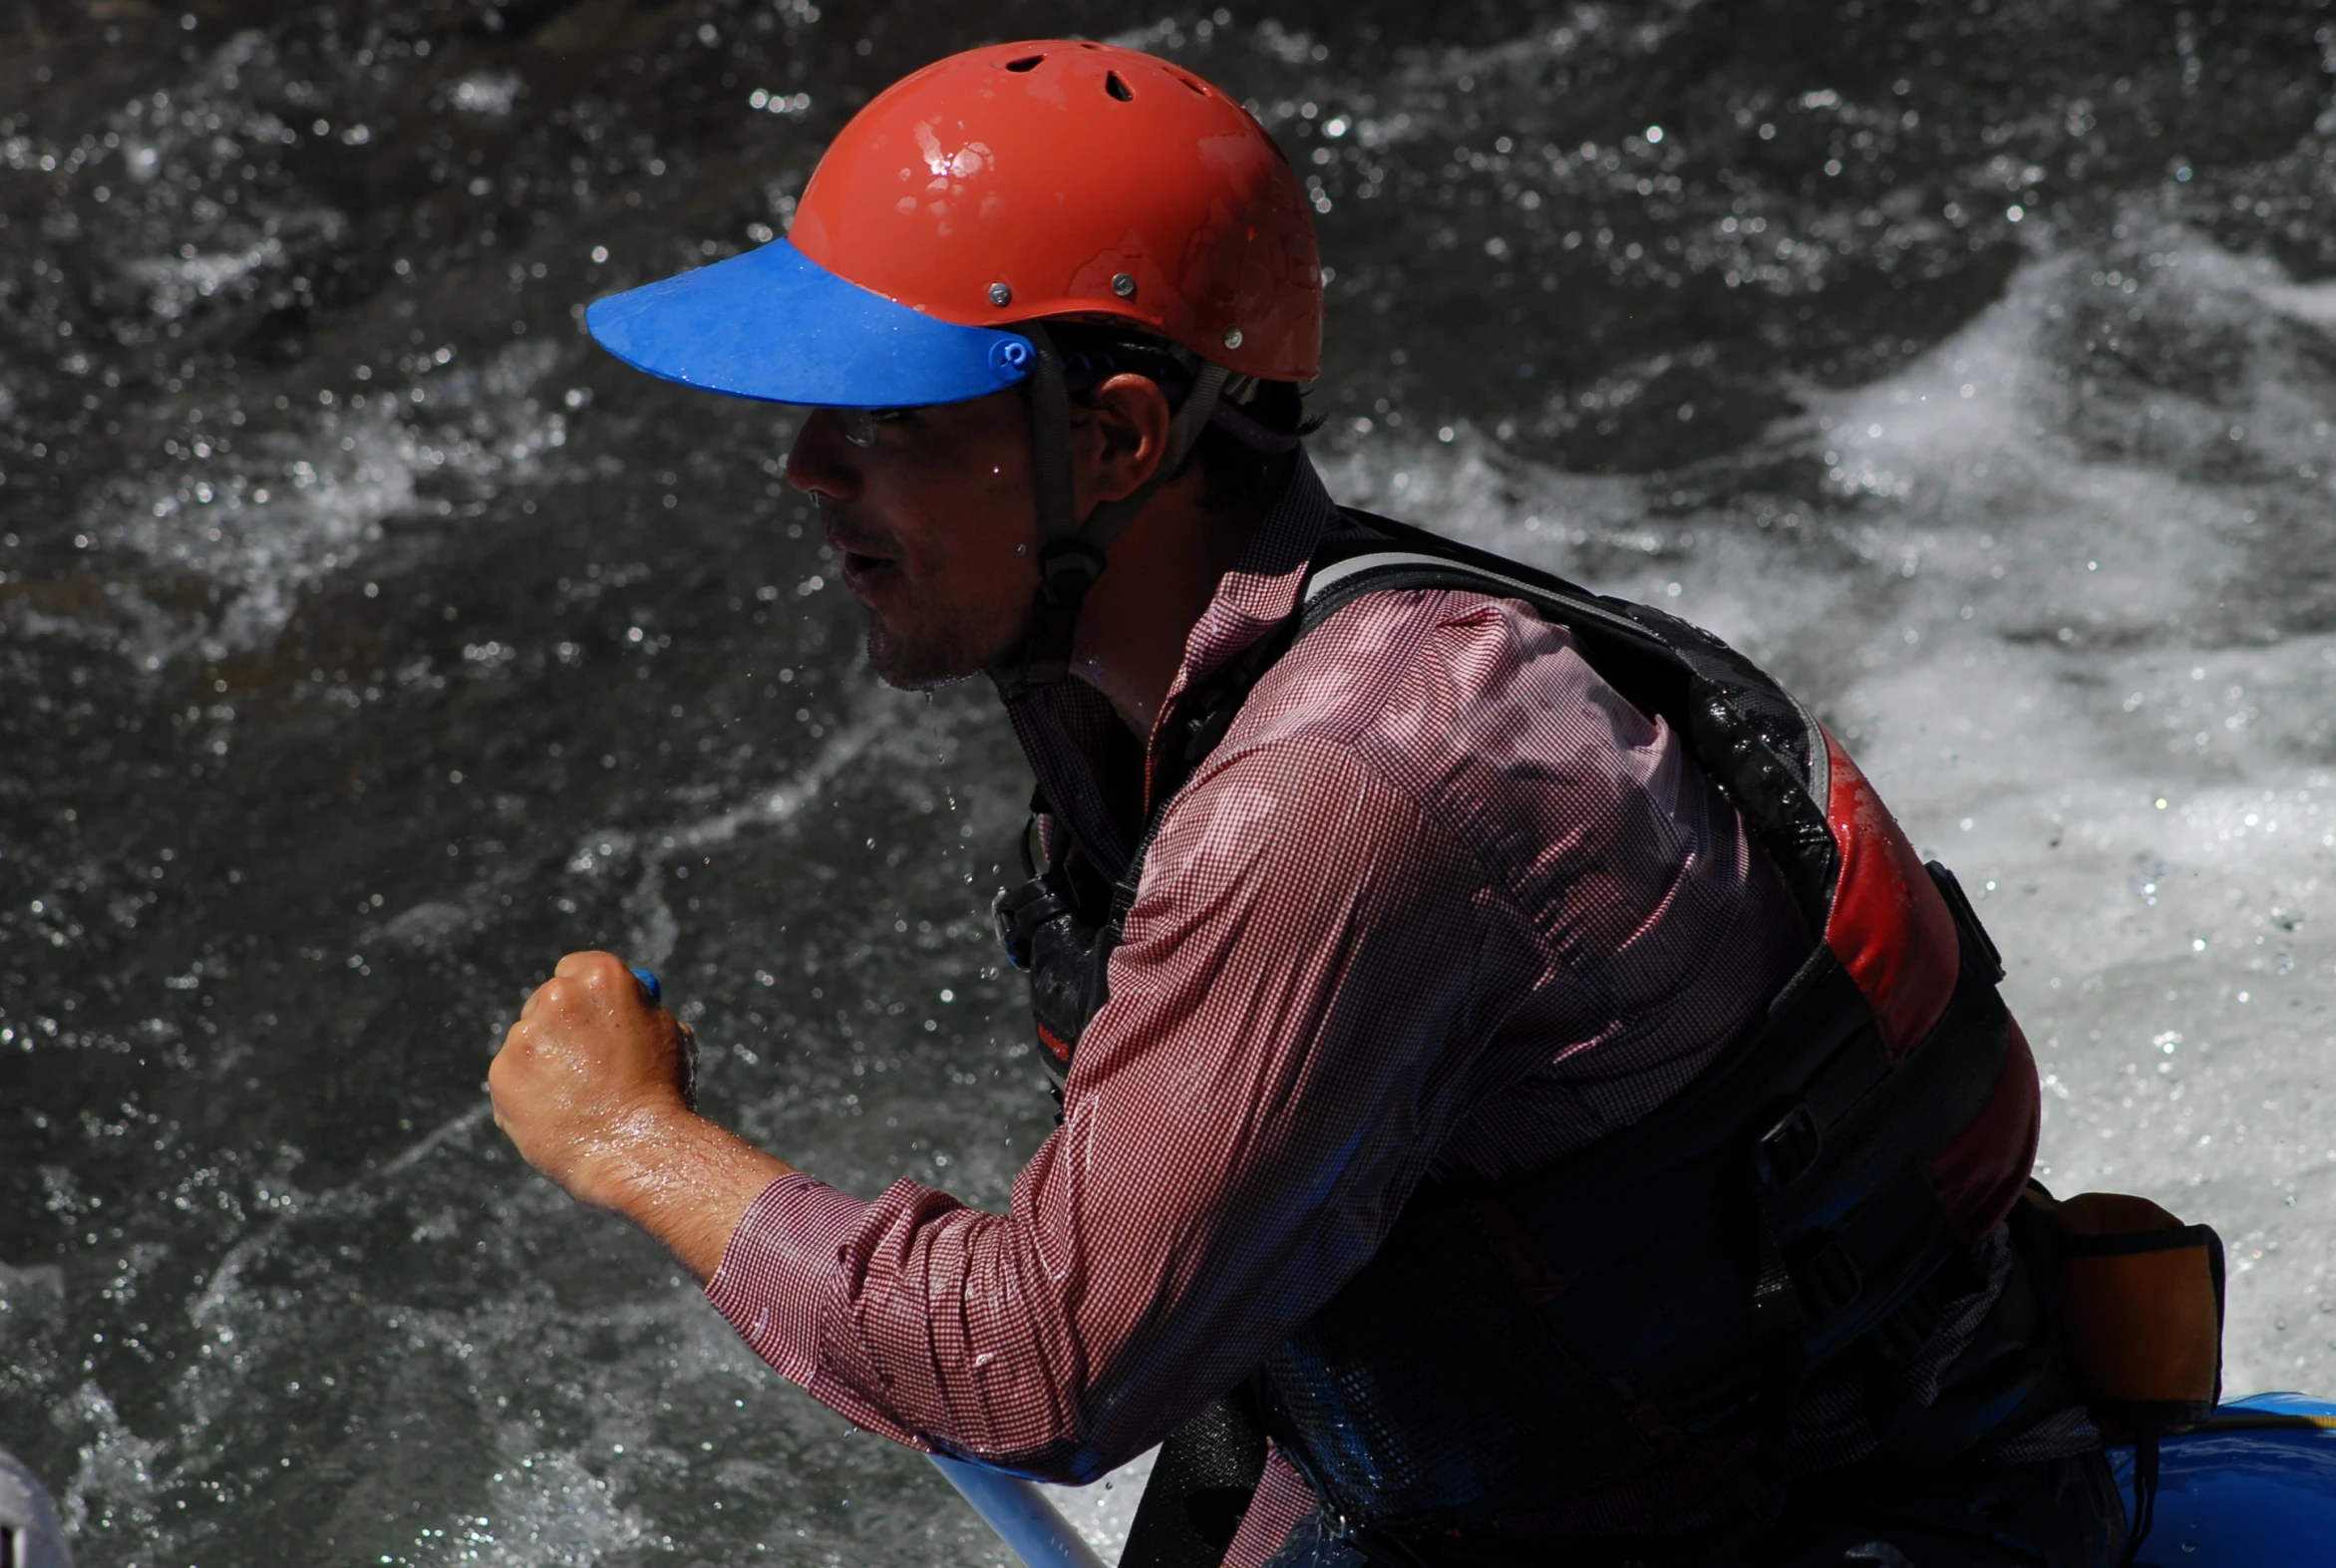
point(590, 1070)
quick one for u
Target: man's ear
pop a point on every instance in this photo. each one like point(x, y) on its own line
point(1119, 433)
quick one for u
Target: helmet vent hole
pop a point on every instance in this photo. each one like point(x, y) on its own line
point(1117, 87)
point(1026, 63)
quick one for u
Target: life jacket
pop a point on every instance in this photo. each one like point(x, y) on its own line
point(1815, 1193)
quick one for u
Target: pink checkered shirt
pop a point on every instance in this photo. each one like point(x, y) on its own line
point(1440, 901)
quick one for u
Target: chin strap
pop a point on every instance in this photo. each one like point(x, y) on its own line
point(1071, 556)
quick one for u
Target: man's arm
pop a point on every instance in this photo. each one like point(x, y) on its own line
point(588, 1087)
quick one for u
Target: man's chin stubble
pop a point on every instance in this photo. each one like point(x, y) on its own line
point(924, 666)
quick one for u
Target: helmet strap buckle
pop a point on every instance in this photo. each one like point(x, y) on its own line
point(1067, 568)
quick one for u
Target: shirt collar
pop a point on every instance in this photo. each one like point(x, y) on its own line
point(1261, 590)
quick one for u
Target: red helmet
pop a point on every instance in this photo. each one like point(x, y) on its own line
point(1000, 185)
point(1074, 178)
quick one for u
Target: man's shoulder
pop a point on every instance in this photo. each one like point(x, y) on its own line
point(1403, 667)
point(1450, 708)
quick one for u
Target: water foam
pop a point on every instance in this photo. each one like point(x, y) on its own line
point(293, 508)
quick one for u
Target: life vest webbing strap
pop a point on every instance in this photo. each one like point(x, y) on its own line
point(1748, 734)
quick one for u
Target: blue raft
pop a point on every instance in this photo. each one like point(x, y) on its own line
point(2252, 1486)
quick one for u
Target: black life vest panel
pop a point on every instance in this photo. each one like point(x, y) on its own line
point(1814, 1194)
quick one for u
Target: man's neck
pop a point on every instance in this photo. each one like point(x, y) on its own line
point(1163, 573)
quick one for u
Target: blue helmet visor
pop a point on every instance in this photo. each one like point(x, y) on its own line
point(773, 324)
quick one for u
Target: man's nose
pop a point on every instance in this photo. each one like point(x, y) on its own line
point(820, 463)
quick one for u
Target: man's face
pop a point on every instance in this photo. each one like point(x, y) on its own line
point(930, 510)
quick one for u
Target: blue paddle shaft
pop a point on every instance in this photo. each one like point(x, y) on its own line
point(1020, 1514)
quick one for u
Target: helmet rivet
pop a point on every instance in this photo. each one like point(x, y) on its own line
point(1232, 337)
point(1000, 294)
point(1124, 285)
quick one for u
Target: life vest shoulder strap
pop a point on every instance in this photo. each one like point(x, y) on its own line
point(1755, 739)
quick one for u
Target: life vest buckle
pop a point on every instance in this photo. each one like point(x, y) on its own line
point(1785, 1152)
point(1904, 1332)
point(1830, 1281)
point(1020, 912)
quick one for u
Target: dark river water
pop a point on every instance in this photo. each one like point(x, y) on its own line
point(367, 639)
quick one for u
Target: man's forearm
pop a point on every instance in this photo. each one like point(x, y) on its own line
point(685, 1180)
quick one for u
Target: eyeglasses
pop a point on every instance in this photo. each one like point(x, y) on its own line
point(864, 427)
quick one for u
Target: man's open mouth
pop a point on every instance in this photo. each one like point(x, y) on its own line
point(863, 573)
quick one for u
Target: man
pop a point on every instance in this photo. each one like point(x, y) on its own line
point(1508, 1055)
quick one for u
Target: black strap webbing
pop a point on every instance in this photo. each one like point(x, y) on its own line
point(1201, 1487)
